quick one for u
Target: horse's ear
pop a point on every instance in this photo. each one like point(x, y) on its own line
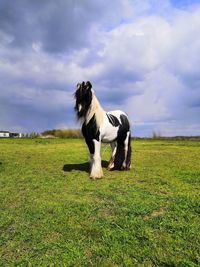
point(78, 86)
point(88, 85)
point(83, 84)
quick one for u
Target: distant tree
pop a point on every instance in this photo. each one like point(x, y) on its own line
point(33, 135)
point(156, 135)
point(63, 133)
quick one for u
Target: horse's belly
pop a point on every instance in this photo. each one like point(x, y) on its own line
point(109, 135)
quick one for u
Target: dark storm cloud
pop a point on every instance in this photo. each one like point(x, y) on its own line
point(59, 25)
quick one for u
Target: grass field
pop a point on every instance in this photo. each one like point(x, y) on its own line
point(52, 214)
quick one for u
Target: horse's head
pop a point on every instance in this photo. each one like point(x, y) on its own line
point(83, 96)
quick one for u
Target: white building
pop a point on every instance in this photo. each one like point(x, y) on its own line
point(6, 134)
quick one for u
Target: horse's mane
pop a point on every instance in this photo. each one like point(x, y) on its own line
point(95, 109)
point(87, 105)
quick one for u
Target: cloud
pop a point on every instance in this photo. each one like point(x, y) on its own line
point(59, 26)
point(141, 56)
point(162, 55)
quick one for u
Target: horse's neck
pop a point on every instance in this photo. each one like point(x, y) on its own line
point(97, 110)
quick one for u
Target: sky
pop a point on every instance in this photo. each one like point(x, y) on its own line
point(142, 57)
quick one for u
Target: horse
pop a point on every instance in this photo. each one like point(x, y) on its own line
point(100, 126)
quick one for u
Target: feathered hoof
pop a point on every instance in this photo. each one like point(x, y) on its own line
point(96, 178)
point(126, 168)
point(96, 174)
point(114, 168)
point(111, 168)
point(118, 168)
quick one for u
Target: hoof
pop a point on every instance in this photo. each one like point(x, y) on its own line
point(96, 178)
point(96, 174)
point(111, 168)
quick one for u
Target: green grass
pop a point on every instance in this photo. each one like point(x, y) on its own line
point(52, 214)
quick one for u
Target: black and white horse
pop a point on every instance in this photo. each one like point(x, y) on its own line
point(99, 126)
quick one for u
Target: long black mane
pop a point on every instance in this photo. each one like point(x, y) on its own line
point(83, 96)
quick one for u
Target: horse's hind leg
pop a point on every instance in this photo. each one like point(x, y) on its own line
point(114, 149)
point(119, 156)
point(123, 152)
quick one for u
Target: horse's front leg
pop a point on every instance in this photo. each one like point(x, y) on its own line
point(96, 169)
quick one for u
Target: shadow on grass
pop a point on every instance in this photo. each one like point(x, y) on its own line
point(81, 166)
point(1, 166)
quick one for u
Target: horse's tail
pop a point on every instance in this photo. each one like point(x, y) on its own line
point(128, 157)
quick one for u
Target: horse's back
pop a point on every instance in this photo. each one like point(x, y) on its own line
point(117, 113)
point(114, 122)
point(121, 116)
